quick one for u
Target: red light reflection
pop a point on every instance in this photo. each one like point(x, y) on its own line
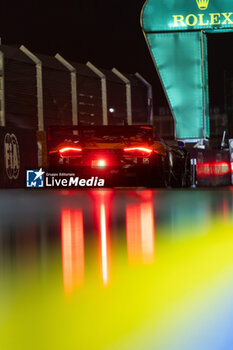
point(140, 233)
point(72, 241)
point(102, 207)
point(225, 210)
point(104, 255)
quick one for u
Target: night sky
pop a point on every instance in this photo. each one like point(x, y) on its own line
point(107, 33)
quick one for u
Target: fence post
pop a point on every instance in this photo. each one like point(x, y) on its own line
point(103, 91)
point(128, 94)
point(2, 91)
point(149, 97)
point(73, 75)
point(41, 139)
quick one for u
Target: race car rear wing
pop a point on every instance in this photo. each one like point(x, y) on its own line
point(58, 133)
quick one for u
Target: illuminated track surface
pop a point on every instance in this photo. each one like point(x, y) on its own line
point(116, 269)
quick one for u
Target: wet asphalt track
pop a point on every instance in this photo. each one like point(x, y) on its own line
point(116, 269)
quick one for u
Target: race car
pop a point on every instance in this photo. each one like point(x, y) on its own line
point(124, 155)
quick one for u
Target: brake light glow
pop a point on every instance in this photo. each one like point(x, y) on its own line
point(213, 169)
point(146, 150)
point(70, 151)
point(100, 163)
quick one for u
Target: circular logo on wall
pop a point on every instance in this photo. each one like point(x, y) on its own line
point(12, 157)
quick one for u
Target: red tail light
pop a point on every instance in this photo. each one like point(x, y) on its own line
point(146, 127)
point(137, 151)
point(213, 169)
point(70, 152)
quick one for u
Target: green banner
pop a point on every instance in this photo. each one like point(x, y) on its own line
point(183, 87)
point(205, 87)
point(176, 32)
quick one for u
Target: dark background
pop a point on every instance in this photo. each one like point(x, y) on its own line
point(107, 33)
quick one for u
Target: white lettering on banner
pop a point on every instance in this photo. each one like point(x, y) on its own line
point(201, 19)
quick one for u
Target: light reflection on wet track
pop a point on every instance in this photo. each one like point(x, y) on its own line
point(136, 269)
